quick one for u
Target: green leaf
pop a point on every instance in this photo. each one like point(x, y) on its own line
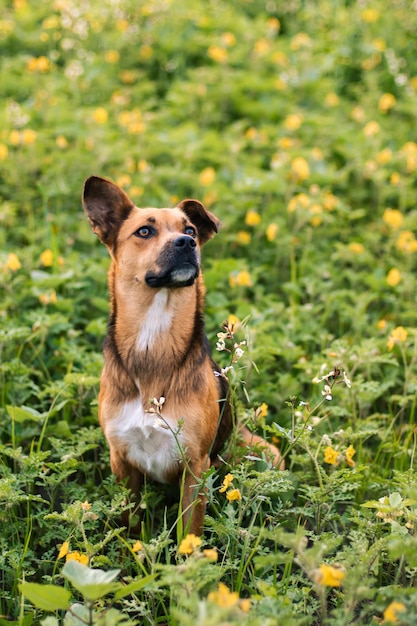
point(91, 583)
point(79, 615)
point(137, 585)
point(24, 413)
point(395, 500)
point(46, 597)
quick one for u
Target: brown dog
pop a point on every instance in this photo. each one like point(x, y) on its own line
point(156, 347)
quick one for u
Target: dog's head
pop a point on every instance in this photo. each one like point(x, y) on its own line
point(156, 247)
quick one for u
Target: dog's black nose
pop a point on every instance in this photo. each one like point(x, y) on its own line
point(185, 241)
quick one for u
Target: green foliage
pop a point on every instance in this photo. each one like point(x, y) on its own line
point(294, 122)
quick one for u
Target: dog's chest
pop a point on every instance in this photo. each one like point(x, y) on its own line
point(151, 443)
point(158, 319)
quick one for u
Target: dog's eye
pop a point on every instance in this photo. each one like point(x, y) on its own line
point(191, 231)
point(143, 231)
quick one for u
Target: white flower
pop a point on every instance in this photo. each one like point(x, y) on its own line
point(327, 392)
point(239, 353)
point(346, 380)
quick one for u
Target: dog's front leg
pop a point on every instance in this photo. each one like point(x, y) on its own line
point(194, 496)
point(124, 471)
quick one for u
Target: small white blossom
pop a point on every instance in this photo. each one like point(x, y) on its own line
point(347, 380)
point(327, 392)
point(220, 345)
point(239, 353)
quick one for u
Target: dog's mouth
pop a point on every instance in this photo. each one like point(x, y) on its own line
point(182, 275)
point(178, 264)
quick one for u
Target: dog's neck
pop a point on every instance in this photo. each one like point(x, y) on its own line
point(155, 330)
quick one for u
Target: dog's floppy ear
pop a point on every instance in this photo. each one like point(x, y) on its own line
point(107, 206)
point(206, 223)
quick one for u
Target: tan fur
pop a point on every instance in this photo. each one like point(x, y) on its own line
point(156, 347)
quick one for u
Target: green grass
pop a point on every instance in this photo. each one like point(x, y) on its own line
point(295, 124)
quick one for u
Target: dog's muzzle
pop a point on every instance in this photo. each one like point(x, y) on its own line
point(179, 262)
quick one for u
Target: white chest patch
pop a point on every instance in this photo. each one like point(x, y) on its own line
point(158, 320)
point(148, 441)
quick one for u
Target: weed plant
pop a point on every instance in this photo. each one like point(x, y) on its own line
point(295, 122)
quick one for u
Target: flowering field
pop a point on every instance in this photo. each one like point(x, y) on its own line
point(295, 123)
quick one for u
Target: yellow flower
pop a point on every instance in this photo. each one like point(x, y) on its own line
point(398, 335)
point(223, 597)
point(393, 217)
point(61, 142)
point(86, 506)
point(252, 218)
point(77, 556)
point(14, 137)
point(145, 52)
point(286, 143)
point(406, 242)
point(232, 321)
point(207, 176)
point(48, 298)
point(379, 44)
point(245, 605)
point(47, 258)
point(128, 77)
point(349, 454)
point(293, 121)
point(189, 544)
point(384, 156)
point(243, 237)
point(300, 169)
point(4, 151)
point(228, 39)
point(272, 231)
point(262, 411)
point(100, 115)
point(143, 165)
point(63, 551)
point(395, 179)
point(329, 575)
point(241, 279)
point(211, 554)
point(392, 610)
point(371, 129)
point(29, 136)
point(300, 40)
point(370, 15)
point(358, 114)
point(39, 64)
point(381, 324)
point(227, 481)
point(261, 47)
point(280, 84)
point(124, 180)
point(355, 247)
point(233, 494)
point(330, 456)
point(13, 262)
point(332, 99)
point(122, 24)
point(136, 191)
point(137, 546)
point(317, 154)
point(386, 102)
point(112, 56)
point(393, 277)
point(218, 54)
point(301, 200)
